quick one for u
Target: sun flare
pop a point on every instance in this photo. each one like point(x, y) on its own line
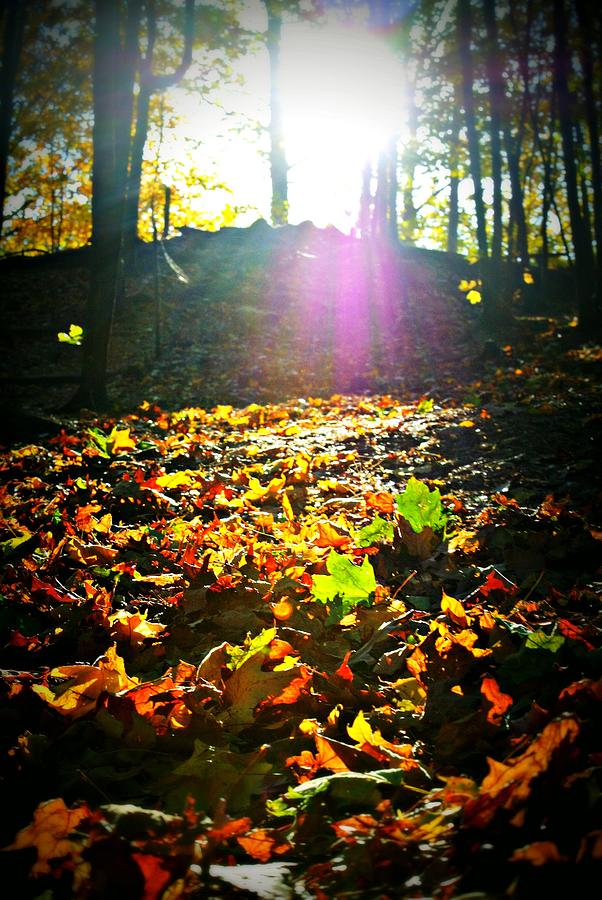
point(341, 90)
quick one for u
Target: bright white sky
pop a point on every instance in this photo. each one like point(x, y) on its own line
point(341, 92)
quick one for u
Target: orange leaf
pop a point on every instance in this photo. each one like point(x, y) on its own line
point(156, 876)
point(507, 784)
point(263, 843)
point(49, 833)
point(381, 501)
point(538, 853)
point(416, 663)
point(133, 627)
point(344, 671)
point(500, 702)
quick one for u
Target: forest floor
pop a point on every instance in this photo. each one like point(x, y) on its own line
point(315, 611)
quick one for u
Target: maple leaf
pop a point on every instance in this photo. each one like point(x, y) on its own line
point(219, 773)
point(454, 610)
point(50, 833)
point(330, 754)
point(538, 853)
point(507, 784)
point(133, 627)
point(421, 507)
point(372, 742)
point(378, 530)
point(84, 684)
point(352, 584)
point(249, 685)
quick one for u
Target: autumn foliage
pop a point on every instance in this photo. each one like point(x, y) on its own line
point(248, 652)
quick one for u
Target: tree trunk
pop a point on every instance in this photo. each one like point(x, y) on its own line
point(113, 86)
point(150, 84)
point(365, 212)
point(586, 27)
point(132, 202)
point(393, 230)
point(496, 102)
point(12, 43)
point(585, 300)
point(464, 39)
point(278, 163)
point(453, 221)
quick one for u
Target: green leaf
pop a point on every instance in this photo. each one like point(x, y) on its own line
point(539, 640)
point(425, 406)
point(346, 580)
point(378, 530)
point(14, 542)
point(74, 336)
point(239, 655)
point(100, 441)
point(362, 788)
point(421, 507)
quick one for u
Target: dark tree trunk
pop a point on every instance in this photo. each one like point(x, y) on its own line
point(496, 103)
point(586, 29)
point(12, 42)
point(132, 202)
point(512, 146)
point(585, 299)
point(106, 210)
point(278, 163)
point(379, 222)
point(464, 40)
point(113, 88)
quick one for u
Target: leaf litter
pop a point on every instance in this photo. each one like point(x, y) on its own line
point(339, 646)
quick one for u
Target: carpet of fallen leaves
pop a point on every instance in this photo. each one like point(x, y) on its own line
point(267, 651)
point(339, 646)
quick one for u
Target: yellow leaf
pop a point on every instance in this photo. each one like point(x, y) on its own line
point(49, 833)
point(454, 609)
point(365, 737)
point(121, 440)
point(133, 627)
point(287, 508)
point(79, 693)
point(465, 540)
point(183, 479)
point(249, 685)
point(473, 297)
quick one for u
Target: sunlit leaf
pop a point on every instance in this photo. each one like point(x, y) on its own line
point(51, 833)
point(420, 506)
point(378, 530)
point(350, 583)
point(74, 336)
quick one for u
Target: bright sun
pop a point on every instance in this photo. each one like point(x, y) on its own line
point(341, 96)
